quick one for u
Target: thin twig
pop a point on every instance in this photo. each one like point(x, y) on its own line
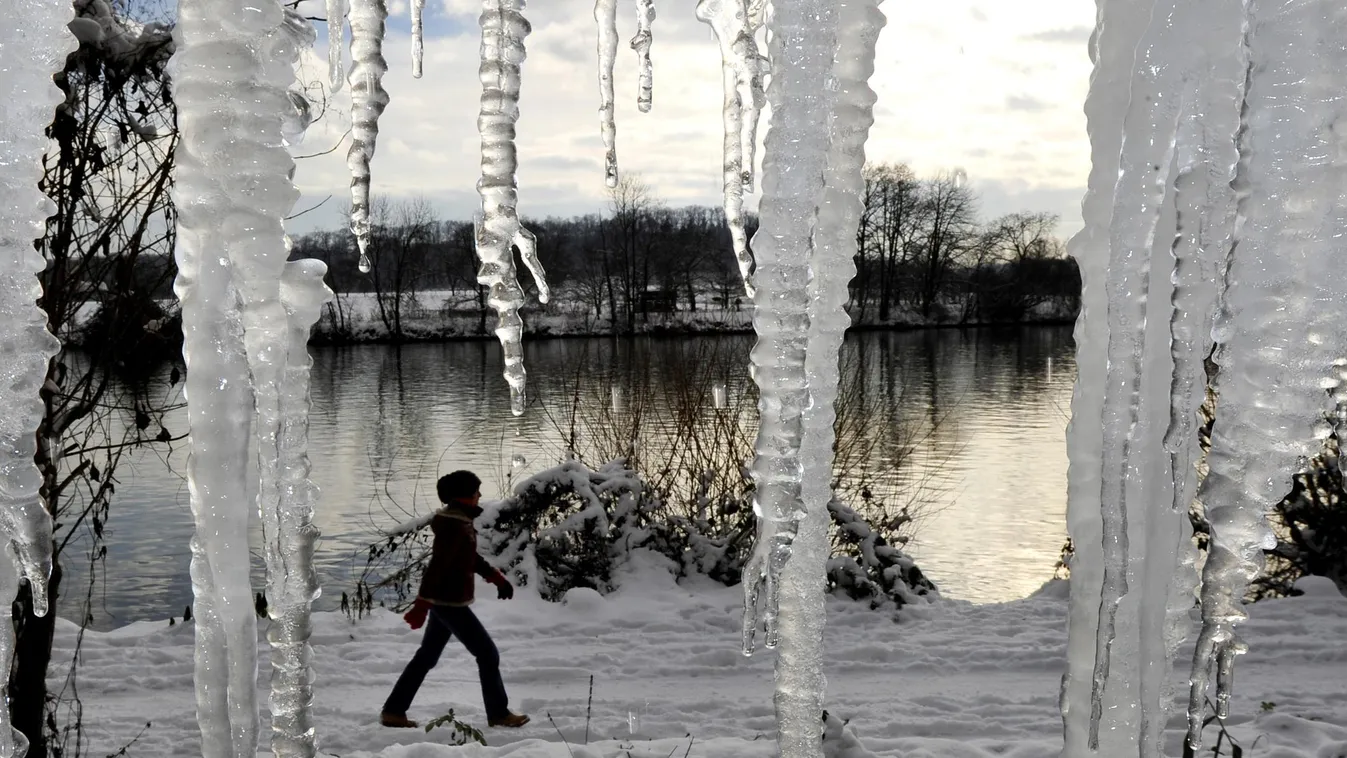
point(559, 734)
point(589, 707)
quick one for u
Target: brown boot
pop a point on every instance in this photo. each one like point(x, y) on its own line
point(396, 720)
point(509, 720)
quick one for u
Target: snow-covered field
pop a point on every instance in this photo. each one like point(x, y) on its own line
point(952, 679)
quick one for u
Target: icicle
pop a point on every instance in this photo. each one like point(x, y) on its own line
point(1118, 32)
point(1279, 332)
point(1206, 156)
point(742, 70)
point(232, 190)
point(803, 39)
point(336, 38)
point(418, 40)
point(368, 100)
point(33, 52)
point(605, 15)
point(799, 671)
point(645, 17)
point(497, 226)
point(289, 533)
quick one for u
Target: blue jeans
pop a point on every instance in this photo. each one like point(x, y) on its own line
point(442, 623)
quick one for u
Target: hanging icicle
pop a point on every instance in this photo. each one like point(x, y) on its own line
point(33, 52)
point(497, 226)
point(368, 100)
point(605, 16)
point(233, 188)
point(418, 41)
point(803, 40)
point(645, 18)
point(1279, 334)
point(336, 39)
point(735, 24)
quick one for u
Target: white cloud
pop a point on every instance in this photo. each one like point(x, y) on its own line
point(995, 88)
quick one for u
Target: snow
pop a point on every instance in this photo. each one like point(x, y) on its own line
point(952, 679)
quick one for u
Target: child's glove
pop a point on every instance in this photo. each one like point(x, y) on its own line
point(416, 617)
point(504, 590)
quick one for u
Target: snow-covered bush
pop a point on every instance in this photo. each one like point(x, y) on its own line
point(572, 526)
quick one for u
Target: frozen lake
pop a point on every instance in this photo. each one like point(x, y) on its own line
point(990, 407)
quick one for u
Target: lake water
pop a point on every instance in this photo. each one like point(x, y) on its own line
point(989, 406)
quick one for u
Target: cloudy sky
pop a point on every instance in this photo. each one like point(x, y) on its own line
point(991, 86)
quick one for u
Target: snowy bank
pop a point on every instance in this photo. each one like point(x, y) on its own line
point(954, 679)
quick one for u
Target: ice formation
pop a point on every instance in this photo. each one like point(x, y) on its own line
point(605, 15)
point(1279, 338)
point(288, 533)
point(645, 18)
point(418, 40)
point(31, 52)
point(498, 230)
point(1169, 266)
point(233, 188)
point(736, 23)
point(336, 28)
point(368, 100)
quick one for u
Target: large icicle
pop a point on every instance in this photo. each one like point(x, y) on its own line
point(497, 226)
point(800, 681)
point(289, 533)
point(605, 16)
point(803, 38)
point(233, 187)
point(645, 18)
point(735, 24)
point(336, 39)
point(1118, 32)
point(1279, 332)
point(368, 100)
point(29, 54)
point(1205, 158)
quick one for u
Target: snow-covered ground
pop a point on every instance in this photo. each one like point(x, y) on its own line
point(952, 679)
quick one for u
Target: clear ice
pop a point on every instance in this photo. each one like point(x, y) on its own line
point(605, 15)
point(418, 39)
point(368, 100)
point(803, 45)
point(288, 532)
point(1279, 336)
point(336, 28)
point(645, 18)
point(232, 189)
point(31, 53)
point(735, 23)
point(498, 230)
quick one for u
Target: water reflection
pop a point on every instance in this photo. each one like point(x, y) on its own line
point(987, 410)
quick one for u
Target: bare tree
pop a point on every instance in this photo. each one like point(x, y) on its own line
point(950, 228)
point(891, 235)
point(108, 247)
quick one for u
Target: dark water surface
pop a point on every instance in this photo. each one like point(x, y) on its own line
point(990, 405)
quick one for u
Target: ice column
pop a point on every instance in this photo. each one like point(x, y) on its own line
point(800, 681)
point(605, 15)
point(368, 100)
point(803, 38)
point(418, 40)
point(1169, 74)
point(231, 73)
point(497, 226)
point(735, 23)
point(1279, 333)
point(29, 54)
point(1112, 48)
point(289, 534)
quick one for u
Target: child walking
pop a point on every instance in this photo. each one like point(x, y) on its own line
point(444, 600)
